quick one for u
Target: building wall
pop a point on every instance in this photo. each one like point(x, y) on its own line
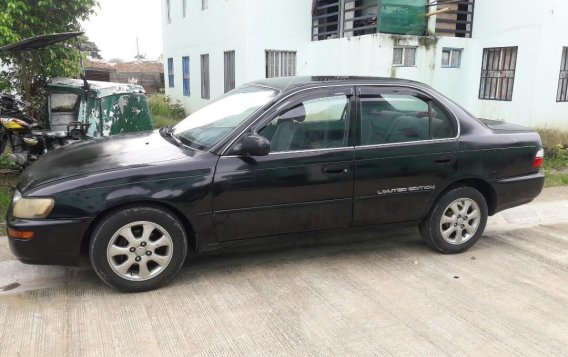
point(252, 26)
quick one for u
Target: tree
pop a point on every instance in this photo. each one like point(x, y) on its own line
point(90, 48)
point(27, 71)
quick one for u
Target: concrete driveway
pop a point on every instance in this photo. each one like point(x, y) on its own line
point(358, 293)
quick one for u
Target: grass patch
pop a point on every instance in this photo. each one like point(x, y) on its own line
point(161, 121)
point(162, 106)
point(5, 198)
point(553, 137)
point(553, 179)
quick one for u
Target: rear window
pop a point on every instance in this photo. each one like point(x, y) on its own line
point(63, 102)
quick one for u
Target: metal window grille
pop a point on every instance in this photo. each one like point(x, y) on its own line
point(280, 63)
point(229, 71)
point(169, 11)
point(185, 68)
point(204, 4)
point(171, 72)
point(184, 6)
point(562, 94)
point(498, 73)
point(404, 56)
point(205, 77)
point(451, 58)
point(458, 21)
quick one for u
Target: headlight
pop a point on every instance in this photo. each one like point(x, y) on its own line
point(29, 208)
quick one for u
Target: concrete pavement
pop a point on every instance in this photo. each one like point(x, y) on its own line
point(357, 293)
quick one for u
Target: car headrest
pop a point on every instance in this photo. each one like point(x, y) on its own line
point(298, 113)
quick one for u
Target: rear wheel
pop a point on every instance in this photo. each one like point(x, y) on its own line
point(138, 249)
point(456, 222)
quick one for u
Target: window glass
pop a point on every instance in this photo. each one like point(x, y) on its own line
point(394, 118)
point(63, 102)
point(207, 126)
point(314, 124)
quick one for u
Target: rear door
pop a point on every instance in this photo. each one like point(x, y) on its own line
point(304, 184)
point(407, 151)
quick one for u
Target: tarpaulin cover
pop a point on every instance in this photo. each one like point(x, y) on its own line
point(406, 17)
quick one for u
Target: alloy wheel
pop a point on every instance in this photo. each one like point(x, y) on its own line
point(140, 251)
point(460, 221)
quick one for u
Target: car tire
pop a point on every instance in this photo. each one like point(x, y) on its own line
point(138, 249)
point(456, 222)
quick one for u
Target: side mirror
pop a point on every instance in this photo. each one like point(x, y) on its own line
point(252, 145)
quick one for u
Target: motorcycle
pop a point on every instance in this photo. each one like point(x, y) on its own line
point(26, 137)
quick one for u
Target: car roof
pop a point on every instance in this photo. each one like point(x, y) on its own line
point(285, 84)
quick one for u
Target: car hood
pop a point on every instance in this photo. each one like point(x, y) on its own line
point(106, 154)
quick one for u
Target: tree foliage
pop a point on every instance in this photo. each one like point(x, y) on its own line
point(26, 72)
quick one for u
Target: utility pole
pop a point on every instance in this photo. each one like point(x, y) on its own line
point(137, 49)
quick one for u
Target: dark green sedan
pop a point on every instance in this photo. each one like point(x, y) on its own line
point(273, 158)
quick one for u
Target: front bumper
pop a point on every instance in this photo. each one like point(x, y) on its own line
point(516, 191)
point(55, 241)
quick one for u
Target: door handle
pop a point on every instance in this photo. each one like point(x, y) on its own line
point(336, 169)
point(445, 159)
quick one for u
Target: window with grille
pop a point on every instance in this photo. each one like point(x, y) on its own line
point(562, 94)
point(451, 58)
point(205, 77)
point(171, 72)
point(185, 68)
point(204, 4)
point(404, 56)
point(498, 73)
point(229, 71)
point(280, 63)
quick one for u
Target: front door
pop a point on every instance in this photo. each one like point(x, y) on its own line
point(304, 184)
point(408, 151)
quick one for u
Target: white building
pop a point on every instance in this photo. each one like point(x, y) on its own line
point(504, 59)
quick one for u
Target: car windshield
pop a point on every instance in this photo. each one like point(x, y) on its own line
point(206, 127)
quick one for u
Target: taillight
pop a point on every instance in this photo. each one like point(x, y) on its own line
point(538, 159)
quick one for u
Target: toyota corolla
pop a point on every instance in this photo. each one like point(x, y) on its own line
point(273, 158)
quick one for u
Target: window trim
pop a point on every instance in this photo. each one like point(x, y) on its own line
point(411, 90)
point(226, 144)
point(171, 73)
point(563, 77)
point(451, 50)
point(481, 96)
point(186, 81)
point(232, 80)
point(403, 57)
point(205, 84)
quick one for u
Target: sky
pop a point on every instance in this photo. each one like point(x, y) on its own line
point(117, 23)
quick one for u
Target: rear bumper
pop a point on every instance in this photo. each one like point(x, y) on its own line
point(55, 241)
point(516, 191)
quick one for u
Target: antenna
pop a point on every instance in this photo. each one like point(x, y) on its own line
point(137, 49)
point(297, 75)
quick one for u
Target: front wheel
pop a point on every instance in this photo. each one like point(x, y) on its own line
point(456, 222)
point(138, 249)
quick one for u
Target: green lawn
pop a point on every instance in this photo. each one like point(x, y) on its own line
point(556, 179)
